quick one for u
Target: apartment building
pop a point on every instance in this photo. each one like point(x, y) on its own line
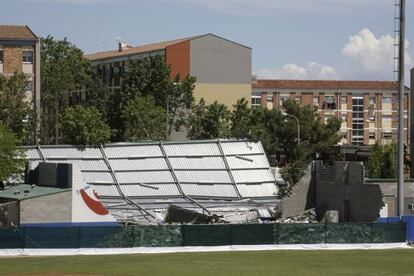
point(20, 52)
point(222, 67)
point(368, 109)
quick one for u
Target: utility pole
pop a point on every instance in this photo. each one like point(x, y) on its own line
point(400, 152)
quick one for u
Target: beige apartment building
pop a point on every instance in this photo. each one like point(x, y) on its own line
point(368, 109)
point(222, 67)
point(20, 53)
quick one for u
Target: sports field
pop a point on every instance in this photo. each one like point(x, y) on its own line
point(352, 262)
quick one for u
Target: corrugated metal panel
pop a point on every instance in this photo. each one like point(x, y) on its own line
point(94, 165)
point(98, 177)
point(216, 190)
point(32, 154)
point(140, 191)
point(248, 176)
point(67, 152)
point(197, 163)
point(132, 151)
point(144, 177)
point(242, 147)
point(190, 149)
point(203, 176)
point(106, 190)
point(138, 164)
point(248, 161)
point(262, 190)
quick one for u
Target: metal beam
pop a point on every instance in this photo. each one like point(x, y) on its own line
point(118, 187)
point(177, 181)
point(226, 163)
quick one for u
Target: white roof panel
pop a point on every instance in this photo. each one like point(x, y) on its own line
point(203, 176)
point(217, 190)
point(197, 163)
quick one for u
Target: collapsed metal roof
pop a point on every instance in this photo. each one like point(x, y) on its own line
point(133, 179)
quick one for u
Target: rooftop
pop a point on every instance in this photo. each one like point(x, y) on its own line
point(147, 48)
point(325, 84)
point(26, 191)
point(209, 173)
point(136, 50)
point(16, 32)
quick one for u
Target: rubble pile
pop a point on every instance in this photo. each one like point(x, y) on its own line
point(309, 216)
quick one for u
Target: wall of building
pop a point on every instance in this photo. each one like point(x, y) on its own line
point(178, 57)
point(217, 60)
point(379, 117)
point(13, 59)
point(47, 209)
point(226, 94)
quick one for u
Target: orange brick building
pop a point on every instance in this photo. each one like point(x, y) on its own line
point(20, 53)
point(368, 109)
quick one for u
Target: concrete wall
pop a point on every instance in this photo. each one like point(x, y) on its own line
point(227, 94)
point(340, 187)
point(301, 195)
point(389, 192)
point(47, 209)
point(217, 60)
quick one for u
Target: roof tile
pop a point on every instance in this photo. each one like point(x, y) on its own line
point(135, 50)
point(324, 84)
point(16, 32)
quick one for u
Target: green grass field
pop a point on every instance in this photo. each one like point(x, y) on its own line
point(352, 262)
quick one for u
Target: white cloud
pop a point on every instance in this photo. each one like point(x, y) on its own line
point(370, 56)
point(293, 71)
point(366, 57)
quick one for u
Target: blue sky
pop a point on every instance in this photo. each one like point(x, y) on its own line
point(297, 39)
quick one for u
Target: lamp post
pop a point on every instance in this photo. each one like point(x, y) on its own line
point(297, 121)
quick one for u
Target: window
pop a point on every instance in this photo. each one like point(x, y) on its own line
point(298, 99)
point(269, 98)
point(386, 100)
point(256, 99)
point(1, 54)
point(387, 135)
point(372, 135)
point(357, 120)
point(316, 101)
point(372, 100)
point(283, 99)
point(329, 102)
point(27, 57)
point(343, 100)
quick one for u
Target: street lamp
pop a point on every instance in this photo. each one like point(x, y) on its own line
point(297, 121)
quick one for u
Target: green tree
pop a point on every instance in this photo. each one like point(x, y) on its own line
point(209, 121)
point(152, 77)
point(383, 162)
point(14, 108)
point(84, 126)
point(11, 157)
point(64, 71)
point(144, 119)
point(241, 120)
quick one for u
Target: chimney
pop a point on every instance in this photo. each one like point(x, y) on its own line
point(119, 40)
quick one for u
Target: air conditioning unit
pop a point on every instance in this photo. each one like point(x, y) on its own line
point(411, 206)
